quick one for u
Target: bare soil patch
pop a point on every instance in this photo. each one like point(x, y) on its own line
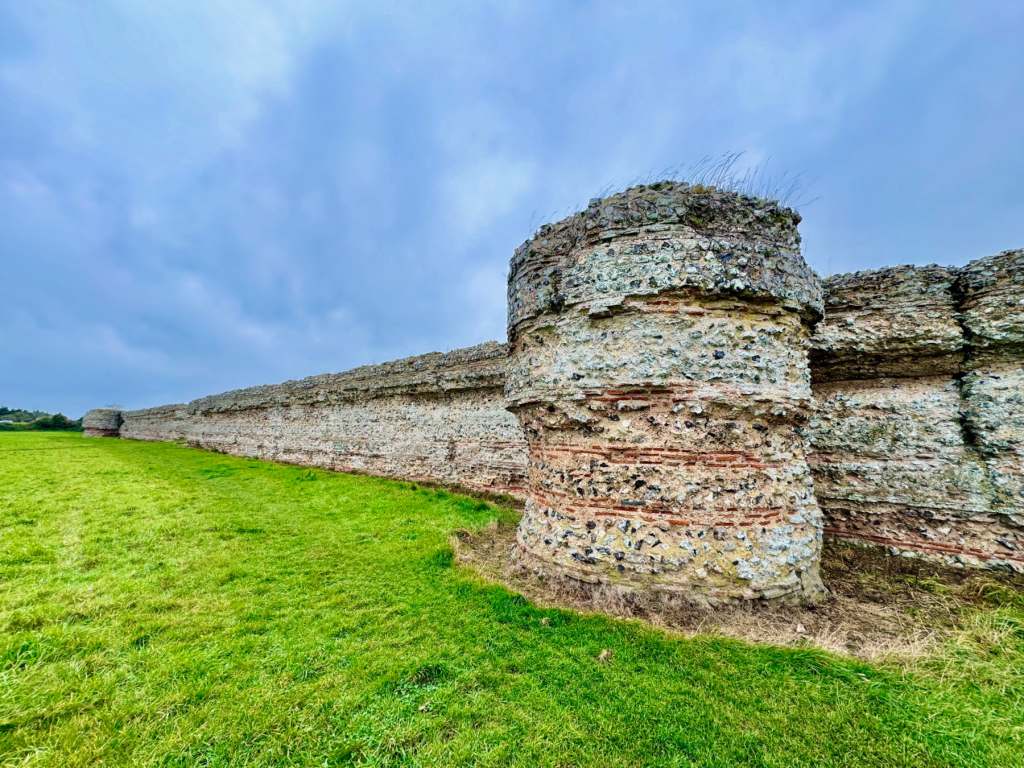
point(878, 605)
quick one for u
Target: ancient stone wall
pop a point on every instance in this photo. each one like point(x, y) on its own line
point(436, 418)
point(916, 443)
point(102, 422)
point(664, 434)
point(991, 303)
point(658, 363)
point(165, 422)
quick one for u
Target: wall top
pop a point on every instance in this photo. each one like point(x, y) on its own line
point(915, 321)
point(670, 235)
point(479, 367)
point(992, 294)
point(892, 321)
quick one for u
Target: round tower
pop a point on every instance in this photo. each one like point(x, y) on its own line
point(658, 364)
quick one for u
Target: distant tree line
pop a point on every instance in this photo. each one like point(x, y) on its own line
point(18, 419)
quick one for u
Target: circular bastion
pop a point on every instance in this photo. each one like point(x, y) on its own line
point(658, 364)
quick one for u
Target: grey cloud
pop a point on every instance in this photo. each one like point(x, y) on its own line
point(201, 197)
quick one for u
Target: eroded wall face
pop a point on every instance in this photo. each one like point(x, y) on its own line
point(664, 432)
point(906, 450)
point(660, 373)
point(438, 420)
point(991, 292)
point(994, 410)
point(891, 467)
point(102, 422)
point(168, 423)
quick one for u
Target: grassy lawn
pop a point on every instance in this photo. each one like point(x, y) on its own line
point(167, 606)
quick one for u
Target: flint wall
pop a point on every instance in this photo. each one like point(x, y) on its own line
point(435, 418)
point(918, 438)
point(650, 363)
point(658, 363)
point(102, 422)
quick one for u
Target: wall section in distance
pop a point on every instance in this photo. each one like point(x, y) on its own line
point(437, 418)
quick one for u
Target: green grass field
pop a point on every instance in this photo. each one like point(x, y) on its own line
point(166, 606)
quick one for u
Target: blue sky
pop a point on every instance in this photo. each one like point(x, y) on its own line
point(200, 196)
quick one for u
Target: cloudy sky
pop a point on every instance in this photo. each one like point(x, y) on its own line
point(196, 196)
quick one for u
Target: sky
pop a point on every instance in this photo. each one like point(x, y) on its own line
point(198, 196)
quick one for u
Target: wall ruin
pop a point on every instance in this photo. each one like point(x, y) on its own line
point(102, 422)
point(434, 418)
point(658, 363)
point(916, 442)
point(991, 295)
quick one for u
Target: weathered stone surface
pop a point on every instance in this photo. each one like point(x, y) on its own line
point(898, 321)
point(436, 373)
point(913, 443)
point(994, 410)
point(891, 467)
point(992, 304)
point(668, 237)
point(658, 365)
point(437, 418)
point(992, 291)
point(168, 423)
point(102, 422)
